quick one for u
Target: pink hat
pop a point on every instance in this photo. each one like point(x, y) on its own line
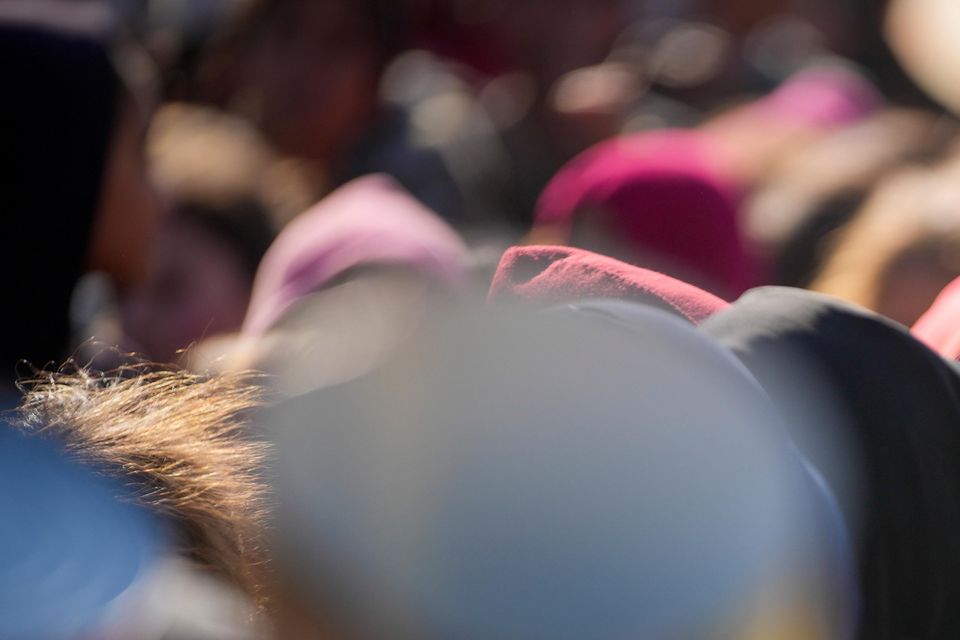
point(658, 193)
point(825, 96)
point(369, 221)
point(556, 275)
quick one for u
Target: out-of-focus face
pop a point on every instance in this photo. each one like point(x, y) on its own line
point(740, 16)
point(130, 205)
point(196, 288)
point(309, 77)
point(909, 287)
point(552, 37)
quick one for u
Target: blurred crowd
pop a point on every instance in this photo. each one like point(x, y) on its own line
point(480, 319)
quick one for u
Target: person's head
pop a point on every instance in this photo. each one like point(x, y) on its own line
point(657, 200)
point(76, 195)
point(520, 475)
point(818, 188)
point(199, 285)
point(845, 375)
point(342, 285)
point(216, 172)
point(901, 248)
point(307, 71)
point(130, 207)
point(741, 16)
point(548, 38)
point(177, 442)
point(759, 134)
point(368, 225)
point(921, 35)
point(550, 276)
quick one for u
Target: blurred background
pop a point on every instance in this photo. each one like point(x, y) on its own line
point(296, 186)
point(808, 113)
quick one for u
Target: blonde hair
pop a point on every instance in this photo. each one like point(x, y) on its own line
point(180, 441)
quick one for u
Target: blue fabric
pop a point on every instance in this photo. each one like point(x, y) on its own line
point(69, 545)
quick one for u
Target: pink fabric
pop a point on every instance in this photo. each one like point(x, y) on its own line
point(557, 275)
point(369, 221)
point(660, 192)
point(939, 327)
